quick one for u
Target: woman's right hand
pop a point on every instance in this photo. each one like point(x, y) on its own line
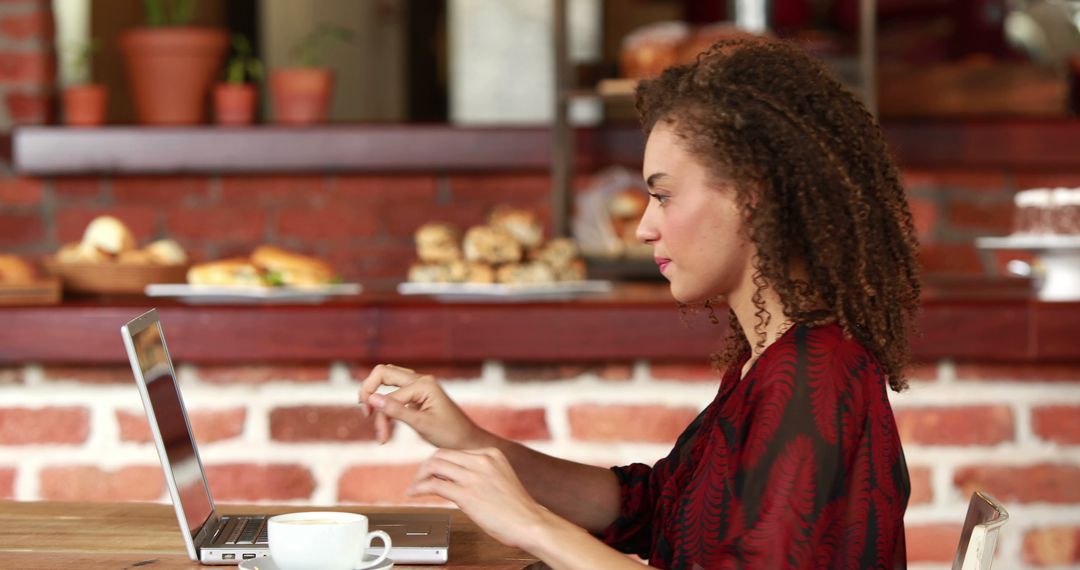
point(420, 402)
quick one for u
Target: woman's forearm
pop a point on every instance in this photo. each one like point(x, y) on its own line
point(585, 495)
point(564, 546)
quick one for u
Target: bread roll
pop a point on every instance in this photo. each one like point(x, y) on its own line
point(229, 272)
point(650, 49)
point(558, 253)
point(524, 225)
point(487, 244)
point(166, 252)
point(135, 257)
point(525, 273)
point(80, 253)
point(292, 269)
point(16, 271)
point(628, 204)
point(108, 235)
point(573, 271)
point(438, 243)
point(429, 273)
point(470, 272)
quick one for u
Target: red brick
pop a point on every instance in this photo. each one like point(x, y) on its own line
point(633, 423)
point(273, 190)
point(985, 179)
point(20, 229)
point(328, 222)
point(1052, 546)
point(532, 372)
point(71, 222)
point(218, 223)
point(28, 108)
point(88, 483)
point(321, 423)
point(77, 188)
point(1018, 372)
point(917, 179)
point(401, 190)
point(949, 258)
point(26, 26)
point(1060, 424)
point(29, 68)
point(209, 425)
point(364, 263)
point(968, 425)
point(502, 188)
point(1045, 482)
point(11, 375)
point(90, 374)
point(373, 484)
point(52, 425)
point(518, 424)
point(444, 372)
point(258, 374)
point(921, 372)
point(684, 372)
point(250, 482)
point(922, 489)
point(402, 222)
point(162, 191)
point(982, 216)
point(1048, 179)
point(932, 542)
point(20, 191)
point(924, 214)
point(7, 483)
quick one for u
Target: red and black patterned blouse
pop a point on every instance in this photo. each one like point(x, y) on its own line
point(797, 465)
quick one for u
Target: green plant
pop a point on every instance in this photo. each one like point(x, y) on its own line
point(80, 64)
point(309, 51)
point(243, 65)
point(168, 12)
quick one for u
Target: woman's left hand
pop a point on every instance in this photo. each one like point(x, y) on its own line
point(484, 486)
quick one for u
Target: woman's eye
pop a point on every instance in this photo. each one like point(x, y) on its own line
point(659, 198)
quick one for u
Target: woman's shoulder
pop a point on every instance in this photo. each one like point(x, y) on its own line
point(822, 353)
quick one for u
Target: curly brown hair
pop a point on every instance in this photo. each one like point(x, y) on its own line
point(816, 185)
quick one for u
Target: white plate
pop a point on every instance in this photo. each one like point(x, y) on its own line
point(267, 563)
point(487, 292)
point(208, 294)
point(1031, 242)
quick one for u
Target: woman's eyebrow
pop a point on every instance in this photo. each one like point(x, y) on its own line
point(654, 177)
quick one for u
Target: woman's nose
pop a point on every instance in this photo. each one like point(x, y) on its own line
point(646, 231)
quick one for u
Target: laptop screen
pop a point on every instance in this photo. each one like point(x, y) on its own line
point(172, 425)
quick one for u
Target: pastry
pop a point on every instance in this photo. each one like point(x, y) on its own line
point(166, 252)
point(429, 273)
point(524, 225)
point(488, 244)
point(16, 271)
point(525, 273)
point(109, 235)
point(438, 243)
point(293, 269)
point(229, 272)
point(558, 253)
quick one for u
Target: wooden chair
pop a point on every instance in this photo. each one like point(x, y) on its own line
point(978, 538)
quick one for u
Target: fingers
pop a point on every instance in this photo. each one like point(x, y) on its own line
point(439, 487)
point(384, 374)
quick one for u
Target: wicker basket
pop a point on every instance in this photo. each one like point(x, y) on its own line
point(114, 277)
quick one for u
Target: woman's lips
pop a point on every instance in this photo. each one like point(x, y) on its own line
point(662, 262)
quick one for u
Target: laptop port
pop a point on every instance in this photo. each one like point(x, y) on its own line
point(228, 557)
point(249, 556)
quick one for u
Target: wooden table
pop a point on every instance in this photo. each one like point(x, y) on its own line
point(79, 536)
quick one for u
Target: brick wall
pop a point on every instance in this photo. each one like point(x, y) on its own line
point(293, 434)
point(27, 62)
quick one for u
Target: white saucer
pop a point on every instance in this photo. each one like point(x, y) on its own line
point(267, 563)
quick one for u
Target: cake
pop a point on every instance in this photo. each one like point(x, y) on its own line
point(1046, 211)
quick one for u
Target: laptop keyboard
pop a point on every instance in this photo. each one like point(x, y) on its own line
point(243, 530)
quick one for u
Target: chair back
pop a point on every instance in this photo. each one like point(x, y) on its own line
point(978, 538)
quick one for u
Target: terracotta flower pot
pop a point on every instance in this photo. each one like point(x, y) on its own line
point(84, 105)
point(234, 103)
point(301, 95)
point(170, 71)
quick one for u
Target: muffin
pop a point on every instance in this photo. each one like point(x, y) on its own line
point(487, 244)
point(437, 242)
point(524, 225)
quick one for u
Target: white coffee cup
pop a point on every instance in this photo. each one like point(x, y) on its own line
point(323, 541)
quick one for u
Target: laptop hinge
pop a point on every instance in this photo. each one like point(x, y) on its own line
point(206, 533)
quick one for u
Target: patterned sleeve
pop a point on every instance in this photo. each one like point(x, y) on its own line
point(806, 494)
point(632, 530)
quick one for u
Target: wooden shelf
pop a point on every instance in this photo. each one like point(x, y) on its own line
point(60, 151)
point(987, 321)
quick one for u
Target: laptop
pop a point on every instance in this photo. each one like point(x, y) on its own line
point(212, 538)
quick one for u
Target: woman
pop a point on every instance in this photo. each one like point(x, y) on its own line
point(773, 191)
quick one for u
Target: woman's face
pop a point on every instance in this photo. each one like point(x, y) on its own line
point(693, 224)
